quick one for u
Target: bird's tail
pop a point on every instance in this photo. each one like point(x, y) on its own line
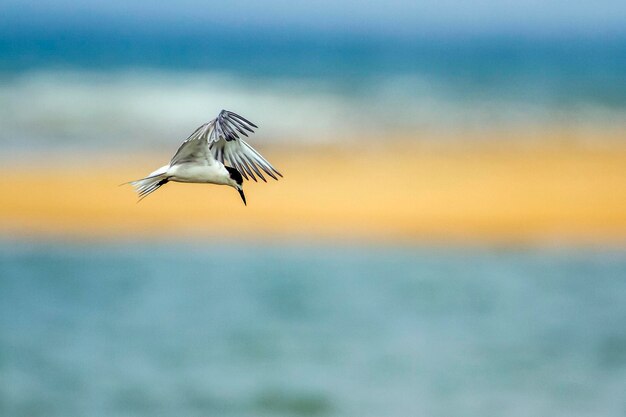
point(148, 185)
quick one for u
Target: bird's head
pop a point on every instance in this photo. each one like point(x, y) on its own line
point(236, 181)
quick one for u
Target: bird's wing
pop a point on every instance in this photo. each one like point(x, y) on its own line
point(195, 148)
point(225, 144)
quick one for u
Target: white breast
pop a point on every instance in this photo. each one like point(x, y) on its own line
point(214, 173)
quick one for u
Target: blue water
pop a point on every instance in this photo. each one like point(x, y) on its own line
point(138, 329)
point(569, 68)
point(99, 86)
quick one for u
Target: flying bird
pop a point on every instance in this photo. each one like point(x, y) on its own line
point(203, 156)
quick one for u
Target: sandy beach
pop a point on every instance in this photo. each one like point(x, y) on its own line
point(485, 192)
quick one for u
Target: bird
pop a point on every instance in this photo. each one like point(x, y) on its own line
point(203, 156)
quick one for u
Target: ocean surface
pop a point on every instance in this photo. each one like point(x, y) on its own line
point(229, 329)
point(81, 88)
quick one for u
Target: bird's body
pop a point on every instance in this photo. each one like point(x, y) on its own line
point(201, 158)
point(189, 172)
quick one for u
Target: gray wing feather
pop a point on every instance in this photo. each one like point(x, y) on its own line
point(227, 145)
point(195, 147)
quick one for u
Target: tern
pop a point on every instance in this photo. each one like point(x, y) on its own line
point(202, 157)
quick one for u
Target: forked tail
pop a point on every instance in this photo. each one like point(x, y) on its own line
point(148, 185)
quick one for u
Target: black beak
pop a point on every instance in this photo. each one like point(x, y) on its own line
point(243, 196)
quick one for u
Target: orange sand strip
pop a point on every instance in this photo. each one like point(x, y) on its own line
point(412, 193)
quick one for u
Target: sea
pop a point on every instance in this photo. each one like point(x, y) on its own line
point(99, 87)
point(167, 327)
point(299, 329)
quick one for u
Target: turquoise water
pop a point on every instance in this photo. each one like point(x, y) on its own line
point(99, 87)
point(139, 329)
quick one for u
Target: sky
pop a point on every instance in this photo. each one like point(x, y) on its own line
point(529, 17)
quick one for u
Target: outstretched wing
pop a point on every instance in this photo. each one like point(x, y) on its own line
point(195, 148)
point(225, 144)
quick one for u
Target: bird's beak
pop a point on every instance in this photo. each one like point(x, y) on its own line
point(243, 196)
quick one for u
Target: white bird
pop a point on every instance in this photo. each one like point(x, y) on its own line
point(201, 157)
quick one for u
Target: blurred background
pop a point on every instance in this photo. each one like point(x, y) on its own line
point(449, 237)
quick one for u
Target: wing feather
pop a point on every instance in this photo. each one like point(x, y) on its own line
point(228, 147)
point(195, 148)
point(262, 162)
point(236, 161)
point(243, 167)
point(254, 167)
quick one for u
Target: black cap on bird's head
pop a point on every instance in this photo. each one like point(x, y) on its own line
point(238, 179)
